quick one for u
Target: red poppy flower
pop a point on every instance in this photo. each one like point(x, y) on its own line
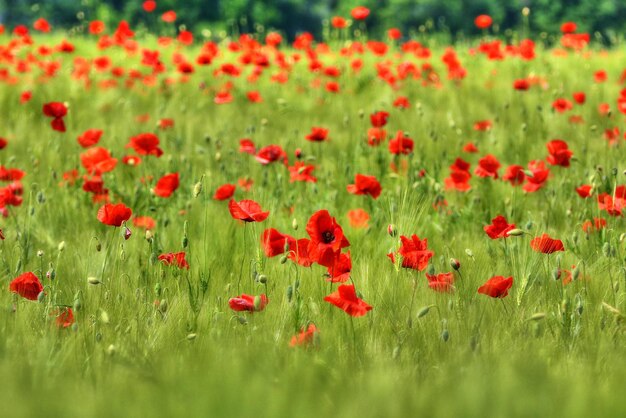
point(317, 134)
point(596, 225)
point(57, 111)
point(248, 303)
point(612, 205)
point(114, 215)
point(482, 125)
point(379, 119)
point(97, 160)
point(358, 218)
point(275, 243)
point(579, 97)
point(360, 13)
point(584, 191)
point(167, 185)
point(247, 146)
point(11, 174)
point(302, 172)
point(149, 6)
point(27, 285)
point(514, 174)
point(145, 222)
point(165, 123)
point(401, 144)
point(64, 317)
point(442, 282)
point(559, 153)
point(483, 21)
point(487, 167)
point(270, 154)
point(169, 16)
point(458, 180)
point(90, 137)
point(539, 176)
point(175, 259)
point(42, 25)
point(254, 97)
point(521, 84)
point(299, 251)
point(562, 105)
point(375, 136)
point(394, 34)
point(470, 147)
point(327, 238)
point(568, 27)
point(499, 228)
point(96, 27)
point(306, 336)
point(224, 192)
point(363, 184)
point(339, 271)
point(145, 144)
point(402, 102)
point(414, 252)
point(247, 211)
point(338, 22)
point(345, 298)
point(545, 244)
point(496, 287)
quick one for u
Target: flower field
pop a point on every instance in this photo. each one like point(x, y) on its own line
point(347, 227)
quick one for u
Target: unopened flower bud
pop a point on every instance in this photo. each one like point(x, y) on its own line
point(197, 189)
point(537, 316)
point(455, 264)
point(93, 280)
point(61, 246)
point(294, 224)
point(283, 259)
point(191, 336)
point(41, 296)
point(40, 253)
point(424, 311)
point(126, 233)
point(262, 278)
point(515, 232)
point(391, 230)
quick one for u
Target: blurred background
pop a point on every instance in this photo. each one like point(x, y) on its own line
point(606, 19)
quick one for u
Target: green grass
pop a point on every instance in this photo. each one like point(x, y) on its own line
point(126, 357)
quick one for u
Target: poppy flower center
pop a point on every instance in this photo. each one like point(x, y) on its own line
point(328, 237)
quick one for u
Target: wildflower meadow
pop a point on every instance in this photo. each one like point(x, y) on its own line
point(253, 225)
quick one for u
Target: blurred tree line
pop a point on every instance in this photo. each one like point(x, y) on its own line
point(455, 17)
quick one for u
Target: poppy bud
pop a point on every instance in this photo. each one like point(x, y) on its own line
point(98, 246)
point(445, 335)
point(93, 280)
point(163, 305)
point(361, 113)
point(111, 350)
point(77, 305)
point(294, 224)
point(191, 336)
point(40, 253)
point(148, 235)
point(185, 242)
point(262, 278)
point(41, 296)
point(422, 312)
point(126, 233)
point(431, 269)
point(455, 264)
point(556, 274)
point(197, 189)
point(525, 11)
point(515, 232)
point(257, 303)
point(537, 316)
point(289, 293)
point(218, 156)
point(41, 198)
point(157, 289)
point(391, 230)
point(51, 274)
point(469, 253)
point(298, 153)
point(61, 246)
point(104, 317)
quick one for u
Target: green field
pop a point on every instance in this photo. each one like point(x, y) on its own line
point(151, 339)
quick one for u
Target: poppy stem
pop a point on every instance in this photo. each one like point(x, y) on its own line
point(504, 305)
point(243, 258)
point(108, 252)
